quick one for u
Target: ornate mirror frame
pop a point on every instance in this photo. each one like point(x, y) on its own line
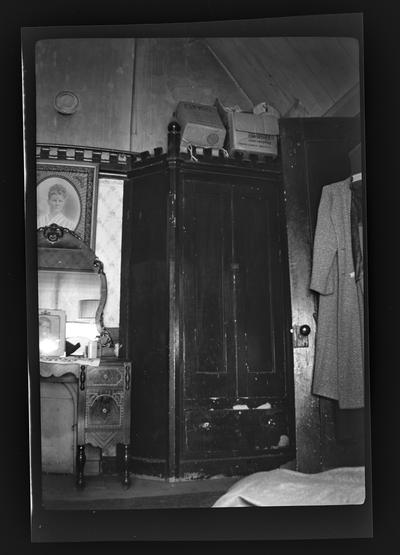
point(59, 248)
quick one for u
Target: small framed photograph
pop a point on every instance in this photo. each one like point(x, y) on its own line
point(67, 196)
point(51, 332)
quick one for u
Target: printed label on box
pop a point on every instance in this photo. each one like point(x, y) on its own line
point(255, 142)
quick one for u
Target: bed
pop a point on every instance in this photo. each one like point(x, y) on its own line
point(283, 487)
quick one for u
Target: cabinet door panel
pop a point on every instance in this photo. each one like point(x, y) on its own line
point(232, 283)
point(206, 234)
point(260, 322)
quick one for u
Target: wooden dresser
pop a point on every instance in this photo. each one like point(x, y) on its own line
point(101, 408)
point(104, 412)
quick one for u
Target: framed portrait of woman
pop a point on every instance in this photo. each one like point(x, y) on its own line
point(66, 195)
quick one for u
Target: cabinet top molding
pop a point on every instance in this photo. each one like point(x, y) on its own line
point(205, 159)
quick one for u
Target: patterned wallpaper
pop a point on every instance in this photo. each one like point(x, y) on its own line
point(108, 243)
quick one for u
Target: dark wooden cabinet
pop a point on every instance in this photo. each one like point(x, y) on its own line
point(205, 315)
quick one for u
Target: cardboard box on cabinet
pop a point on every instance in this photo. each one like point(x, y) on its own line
point(201, 125)
point(251, 132)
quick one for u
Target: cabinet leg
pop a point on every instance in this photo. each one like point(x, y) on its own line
point(126, 480)
point(80, 464)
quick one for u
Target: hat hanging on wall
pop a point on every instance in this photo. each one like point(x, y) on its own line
point(66, 103)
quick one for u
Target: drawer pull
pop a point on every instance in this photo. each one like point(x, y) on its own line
point(82, 378)
point(127, 378)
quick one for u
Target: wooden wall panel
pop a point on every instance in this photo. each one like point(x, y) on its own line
point(347, 106)
point(294, 75)
point(169, 70)
point(100, 73)
point(253, 70)
point(332, 63)
point(312, 73)
point(129, 88)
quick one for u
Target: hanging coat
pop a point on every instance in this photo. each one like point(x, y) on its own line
point(339, 355)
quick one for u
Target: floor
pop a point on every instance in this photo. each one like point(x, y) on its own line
point(106, 492)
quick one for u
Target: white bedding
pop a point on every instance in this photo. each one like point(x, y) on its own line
point(282, 487)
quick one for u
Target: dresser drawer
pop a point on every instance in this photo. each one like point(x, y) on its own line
point(106, 376)
point(104, 409)
point(104, 404)
point(243, 432)
point(104, 413)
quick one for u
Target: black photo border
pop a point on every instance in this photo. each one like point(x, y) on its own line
point(191, 524)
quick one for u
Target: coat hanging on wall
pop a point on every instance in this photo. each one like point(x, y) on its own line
point(339, 357)
point(357, 228)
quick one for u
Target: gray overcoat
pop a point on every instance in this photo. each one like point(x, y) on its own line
point(339, 355)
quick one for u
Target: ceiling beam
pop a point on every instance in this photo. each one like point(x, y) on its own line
point(228, 72)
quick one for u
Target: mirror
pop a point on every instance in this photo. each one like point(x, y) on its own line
point(72, 287)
